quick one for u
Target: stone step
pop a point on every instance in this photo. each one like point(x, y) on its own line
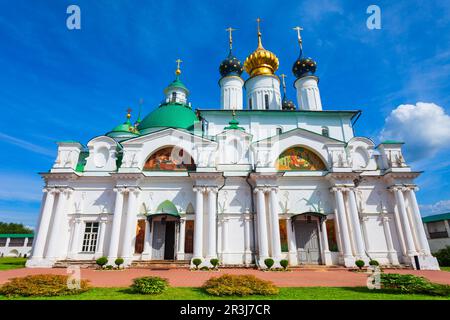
point(160, 264)
point(79, 263)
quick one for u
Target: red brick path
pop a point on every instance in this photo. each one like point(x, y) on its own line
point(186, 278)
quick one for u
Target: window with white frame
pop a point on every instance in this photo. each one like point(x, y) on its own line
point(90, 237)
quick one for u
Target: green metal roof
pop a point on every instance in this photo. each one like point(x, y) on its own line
point(167, 207)
point(176, 84)
point(16, 235)
point(392, 142)
point(437, 217)
point(82, 161)
point(170, 115)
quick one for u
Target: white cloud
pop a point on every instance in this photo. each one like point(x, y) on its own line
point(424, 127)
point(442, 206)
point(26, 145)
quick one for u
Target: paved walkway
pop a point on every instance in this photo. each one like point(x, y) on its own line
point(186, 278)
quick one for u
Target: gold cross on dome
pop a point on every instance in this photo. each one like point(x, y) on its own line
point(129, 113)
point(230, 31)
point(258, 21)
point(178, 71)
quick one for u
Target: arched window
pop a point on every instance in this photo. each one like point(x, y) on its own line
point(299, 159)
point(174, 96)
point(266, 101)
point(325, 132)
point(170, 159)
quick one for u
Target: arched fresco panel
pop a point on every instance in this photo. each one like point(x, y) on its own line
point(171, 159)
point(299, 158)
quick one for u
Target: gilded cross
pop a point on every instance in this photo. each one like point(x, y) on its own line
point(178, 61)
point(258, 20)
point(299, 36)
point(230, 31)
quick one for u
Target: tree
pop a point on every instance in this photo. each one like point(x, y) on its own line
point(14, 228)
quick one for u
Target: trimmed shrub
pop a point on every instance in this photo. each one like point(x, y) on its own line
point(118, 262)
point(443, 256)
point(284, 263)
point(359, 264)
point(269, 263)
point(149, 285)
point(204, 268)
point(409, 284)
point(214, 262)
point(101, 261)
point(197, 262)
point(45, 285)
point(373, 263)
point(109, 267)
point(239, 285)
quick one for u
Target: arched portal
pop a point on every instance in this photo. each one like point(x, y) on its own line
point(300, 159)
point(164, 229)
point(307, 237)
point(170, 159)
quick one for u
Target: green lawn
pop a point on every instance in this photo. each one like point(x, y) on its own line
point(12, 263)
point(445, 269)
point(311, 293)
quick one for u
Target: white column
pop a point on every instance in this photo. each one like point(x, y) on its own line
point(262, 224)
point(424, 246)
point(409, 242)
point(76, 236)
point(224, 239)
point(292, 244)
point(59, 216)
point(343, 226)
point(356, 225)
point(276, 242)
point(117, 221)
point(181, 243)
point(212, 223)
point(101, 237)
point(146, 254)
point(247, 239)
point(198, 224)
point(447, 227)
point(130, 225)
point(25, 242)
point(42, 234)
point(392, 254)
point(398, 225)
point(366, 234)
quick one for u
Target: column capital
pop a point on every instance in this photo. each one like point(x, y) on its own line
point(385, 218)
point(201, 189)
point(212, 189)
point(397, 187)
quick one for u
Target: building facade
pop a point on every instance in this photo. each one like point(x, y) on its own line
point(258, 178)
point(437, 228)
point(15, 244)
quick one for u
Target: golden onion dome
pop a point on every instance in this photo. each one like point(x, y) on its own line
point(261, 61)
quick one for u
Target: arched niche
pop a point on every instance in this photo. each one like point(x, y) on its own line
point(170, 159)
point(299, 158)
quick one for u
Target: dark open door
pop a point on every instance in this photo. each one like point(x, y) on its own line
point(169, 248)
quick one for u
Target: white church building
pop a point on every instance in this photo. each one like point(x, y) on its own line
point(254, 179)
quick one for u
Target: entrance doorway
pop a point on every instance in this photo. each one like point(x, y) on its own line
point(307, 239)
point(163, 242)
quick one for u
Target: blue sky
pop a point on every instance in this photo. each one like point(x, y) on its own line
point(59, 84)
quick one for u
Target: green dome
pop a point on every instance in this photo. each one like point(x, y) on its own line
point(176, 84)
point(172, 115)
point(123, 131)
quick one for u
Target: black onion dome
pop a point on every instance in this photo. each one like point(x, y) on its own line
point(287, 104)
point(303, 67)
point(231, 66)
